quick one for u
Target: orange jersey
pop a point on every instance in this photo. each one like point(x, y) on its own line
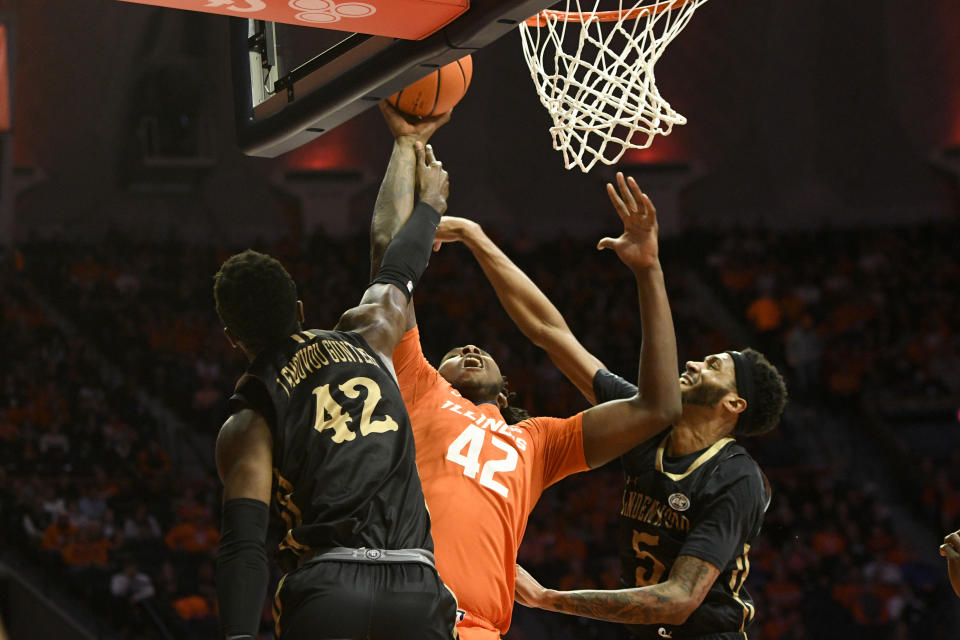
point(481, 479)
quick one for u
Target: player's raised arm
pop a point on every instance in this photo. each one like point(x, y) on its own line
point(613, 428)
point(381, 316)
point(395, 199)
point(669, 602)
point(526, 304)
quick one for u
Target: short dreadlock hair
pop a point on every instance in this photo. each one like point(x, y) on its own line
point(256, 299)
point(769, 396)
point(511, 413)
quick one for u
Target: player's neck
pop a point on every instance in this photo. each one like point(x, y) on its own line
point(251, 354)
point(689, 436)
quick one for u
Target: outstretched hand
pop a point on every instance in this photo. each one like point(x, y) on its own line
point(950, 548)
point(527, 591)
point(637, 246)
point(453, 229)
point(405, 126)
point(433, 183)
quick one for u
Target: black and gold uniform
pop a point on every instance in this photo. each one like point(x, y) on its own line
point(708, 504)
point(347, 507)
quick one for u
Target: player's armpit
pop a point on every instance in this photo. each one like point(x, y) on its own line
point(244, 457)
point(381, 318)
point(613, 428)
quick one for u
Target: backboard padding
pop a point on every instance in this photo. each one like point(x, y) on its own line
point(333, 88)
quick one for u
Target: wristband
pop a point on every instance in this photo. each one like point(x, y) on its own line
point(242, 573)
point(406, 256)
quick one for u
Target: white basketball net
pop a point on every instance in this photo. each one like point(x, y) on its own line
point(599, 86)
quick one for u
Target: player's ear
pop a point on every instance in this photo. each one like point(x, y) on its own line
point(734, 403)
point(502, 400)
point(300, 316)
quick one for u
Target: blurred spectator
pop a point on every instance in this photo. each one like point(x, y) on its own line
point(803, 349)
point(141, 526)
point(130, 584)
point(194, 536)
point(131, 590)
point(91, 505)
point(58, 534)
point(841, 308)
point(153, 459)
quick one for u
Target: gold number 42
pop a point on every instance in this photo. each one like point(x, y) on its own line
point(339, 419)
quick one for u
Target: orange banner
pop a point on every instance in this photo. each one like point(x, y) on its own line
point(407, 19)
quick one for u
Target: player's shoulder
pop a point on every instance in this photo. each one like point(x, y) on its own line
point(734, 464)
point(551, 436)
point(545, 424)
point(642, 456)
point(323, 334)
point(736, 455)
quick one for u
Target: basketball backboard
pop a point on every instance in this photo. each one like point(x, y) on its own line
point(284, 102)
point(297, 74)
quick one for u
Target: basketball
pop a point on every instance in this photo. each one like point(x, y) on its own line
point(436, 93)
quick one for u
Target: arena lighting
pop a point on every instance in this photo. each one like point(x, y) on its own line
point(334, 152)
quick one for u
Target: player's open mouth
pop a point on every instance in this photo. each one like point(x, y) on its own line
point(471, 362)
point(686, 378)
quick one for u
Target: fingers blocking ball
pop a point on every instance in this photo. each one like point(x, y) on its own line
point(438, 92)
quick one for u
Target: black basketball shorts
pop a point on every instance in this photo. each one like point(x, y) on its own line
point(334, 600)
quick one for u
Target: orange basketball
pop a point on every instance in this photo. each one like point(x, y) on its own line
point(438, 92)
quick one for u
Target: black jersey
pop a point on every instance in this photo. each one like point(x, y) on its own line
point(708, 504)
point(343, 454)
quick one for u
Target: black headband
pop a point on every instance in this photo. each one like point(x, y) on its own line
point(746, 387)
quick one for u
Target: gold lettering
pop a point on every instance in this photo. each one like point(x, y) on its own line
point(353, 351)
point(307, 363)
point(322, 358)
point(298, 363)
point(637, 506)
point(331, 350)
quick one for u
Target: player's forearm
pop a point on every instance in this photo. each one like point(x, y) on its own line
point(657, 380)
point(242, 572)
point(533, 313)
point(524, 302)
point(394, 200)
point(657, 604)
